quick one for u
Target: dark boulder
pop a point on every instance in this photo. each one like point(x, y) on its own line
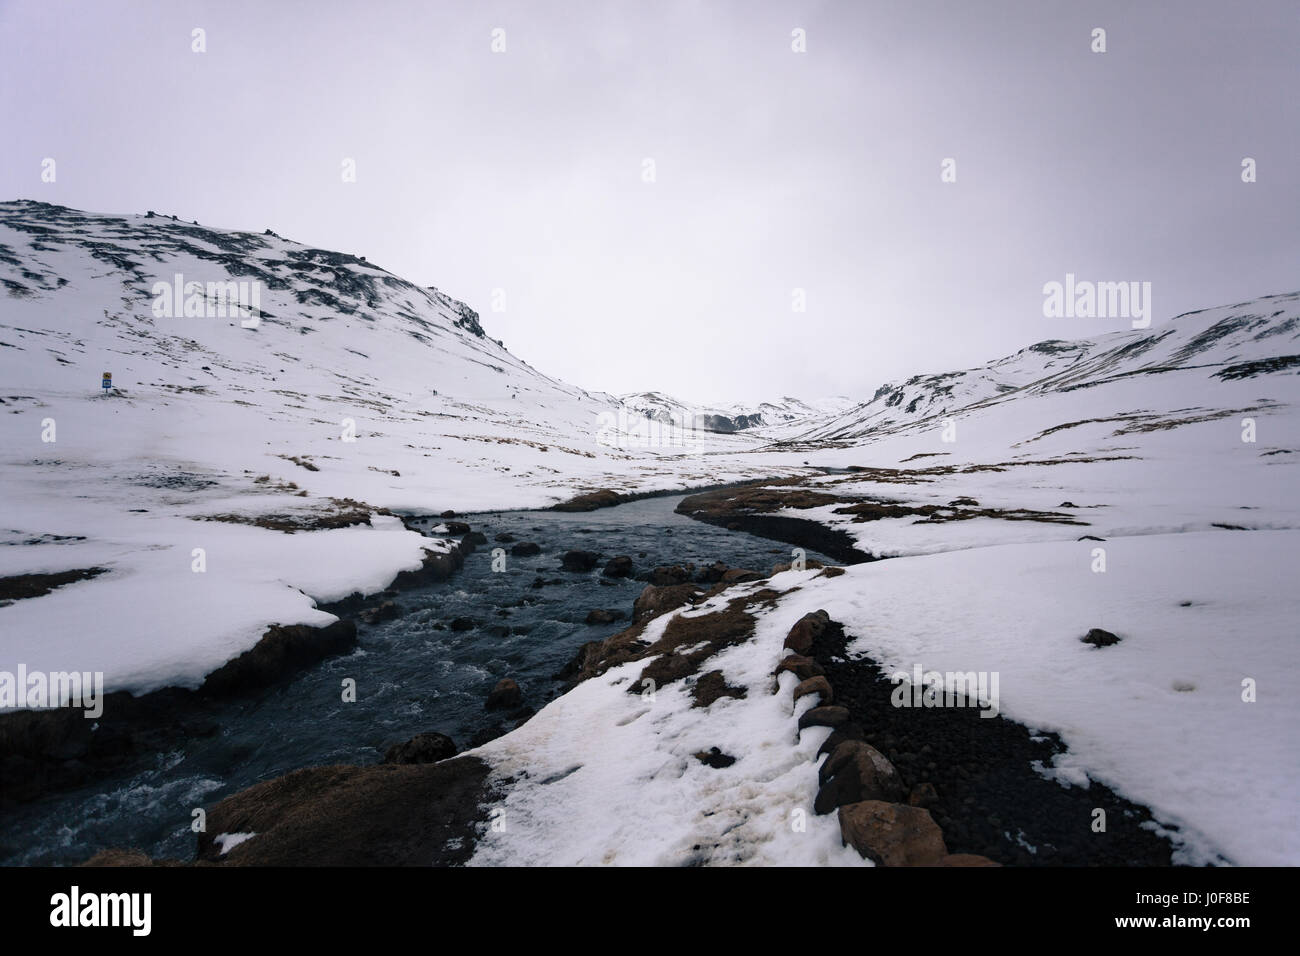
point(654, 601)
point(806, 630)
point(281, 651)
point(856, 771)
point(1099, 638)
point(506, 694)
point(711, 574)
point(620, 567)
point(579, 560)
point(422, 748)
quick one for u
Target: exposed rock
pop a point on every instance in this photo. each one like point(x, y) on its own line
point(619, 567)
point(457, 527)
point(711, 574)
point(599, 616)
point(422, 748)
point(486, 735)
point(579, 560)
point(505, 537)
point(739, 576)
point(810, 564)
point(846, 731)
point(281, 651)
point(923, 795)
point(380, 815)
point(463, 624)
point(806, 630)
point(668, 576)
point(715, 758)
point(815, 685)
point(892, 834)
point(476, 537)
point(831, 716)
point(504, 695)
point(435, 566)
point(854, 772)
point(653, 600)
point(525, 549)
point(19, 586)
point(604, 498)
point(1099, 638)
point(800, 666)
point(384, 611)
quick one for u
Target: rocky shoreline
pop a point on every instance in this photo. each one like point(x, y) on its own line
point(48, 751)
point(974, 776)
point(938, 787)
point(749, 508)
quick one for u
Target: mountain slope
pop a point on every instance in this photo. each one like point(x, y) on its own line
point(1214, 340)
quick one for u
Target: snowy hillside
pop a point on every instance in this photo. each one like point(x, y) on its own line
point(1141, 482)
point(346, 390)
point(1213, 339)
point(732, 417)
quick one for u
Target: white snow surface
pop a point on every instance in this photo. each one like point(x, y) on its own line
point(604, 776)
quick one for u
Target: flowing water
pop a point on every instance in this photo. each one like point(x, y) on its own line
point(413, 673)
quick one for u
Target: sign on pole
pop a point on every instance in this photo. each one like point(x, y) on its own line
point(108, 381)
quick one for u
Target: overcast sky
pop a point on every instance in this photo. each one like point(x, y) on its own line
point(774, 170)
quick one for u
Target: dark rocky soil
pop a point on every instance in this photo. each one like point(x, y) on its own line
point(989, 797)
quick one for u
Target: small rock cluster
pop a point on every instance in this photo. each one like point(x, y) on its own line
point(878, 815)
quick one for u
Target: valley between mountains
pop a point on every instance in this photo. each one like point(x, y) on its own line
point(1104, 531)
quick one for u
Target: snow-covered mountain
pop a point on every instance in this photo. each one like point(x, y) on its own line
point(732, 417)
point(1172, 451)
point(1222, 340)
point(334, 386)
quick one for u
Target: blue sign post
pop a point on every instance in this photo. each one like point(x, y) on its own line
point(108, 381)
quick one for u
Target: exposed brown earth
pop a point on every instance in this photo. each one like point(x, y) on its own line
point(342, 513)
point(18, 587)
